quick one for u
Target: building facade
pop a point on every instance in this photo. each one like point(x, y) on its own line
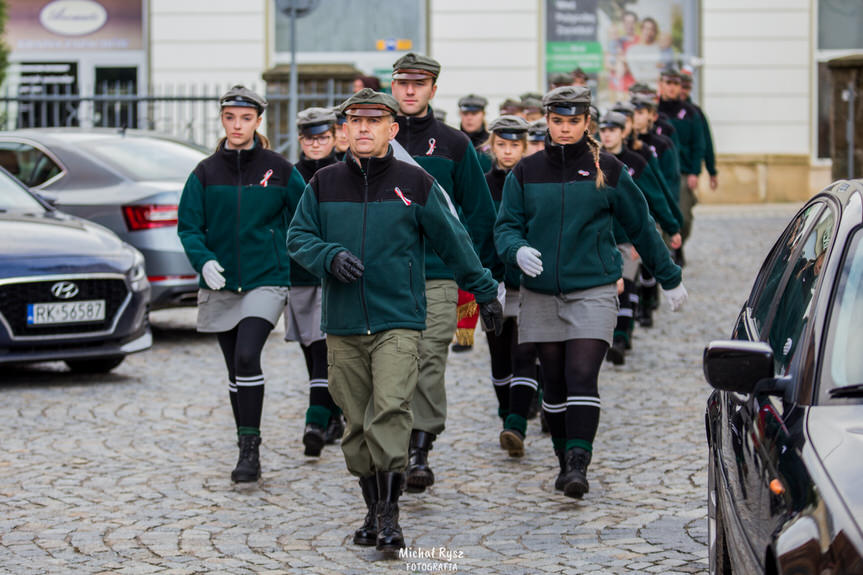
point(760, 66)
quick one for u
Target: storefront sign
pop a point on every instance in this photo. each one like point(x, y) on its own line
point(74, 25)
point(73, 17)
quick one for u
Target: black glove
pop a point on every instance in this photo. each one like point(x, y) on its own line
point(346, 267)
point(491, 314)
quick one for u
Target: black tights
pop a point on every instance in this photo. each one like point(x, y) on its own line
point(513, 370)
point(241, 348)
point(570, 372)
point(316, 363)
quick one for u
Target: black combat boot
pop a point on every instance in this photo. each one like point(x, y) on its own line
point(574, 476)
point(314, 437)
point(249, 464)
point(368, 534)
point(335, 429)
point(419, 474)
point(389, 533)
point(616, 353)
point(558, 483)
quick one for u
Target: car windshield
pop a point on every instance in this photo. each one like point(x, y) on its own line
point(14, 198)
point(843, 360)
point(144, 159)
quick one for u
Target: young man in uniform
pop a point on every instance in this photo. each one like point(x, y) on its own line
point(446, 154)
point(361, 226)
point(709, 153)
point(690, 134)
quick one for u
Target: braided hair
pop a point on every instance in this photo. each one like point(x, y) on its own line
point(594, 149)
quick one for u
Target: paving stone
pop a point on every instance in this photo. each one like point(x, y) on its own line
point(128, 472)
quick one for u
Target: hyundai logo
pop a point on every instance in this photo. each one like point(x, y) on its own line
point(64, 290)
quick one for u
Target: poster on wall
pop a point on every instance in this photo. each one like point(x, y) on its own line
point(73, 25)
point(616, 42)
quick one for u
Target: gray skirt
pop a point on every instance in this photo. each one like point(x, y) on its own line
point(510, 308)
point(303, 315)
point(583, 314)
point(630, 264)
point(222, 310)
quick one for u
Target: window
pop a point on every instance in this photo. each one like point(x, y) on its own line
point(771, 275)
point(795, 305)
point(27, 163)
point(843, 362)
point(145, 158)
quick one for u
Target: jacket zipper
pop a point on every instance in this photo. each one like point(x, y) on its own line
point(560, 231)
point(237, 228)
point(363, 249)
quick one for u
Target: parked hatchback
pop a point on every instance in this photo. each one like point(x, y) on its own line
point(785, 421)
point(70, 289)
point(127, 180)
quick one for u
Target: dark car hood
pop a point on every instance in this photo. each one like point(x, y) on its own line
point(836, 432)
point(53, 242)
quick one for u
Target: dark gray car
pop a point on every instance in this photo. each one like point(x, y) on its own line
point(128, 181)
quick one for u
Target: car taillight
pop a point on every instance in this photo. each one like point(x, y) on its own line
point(148, 216)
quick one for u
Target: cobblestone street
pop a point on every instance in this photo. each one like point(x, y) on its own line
point(129, 473)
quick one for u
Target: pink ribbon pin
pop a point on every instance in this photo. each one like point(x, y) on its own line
point(266, 179)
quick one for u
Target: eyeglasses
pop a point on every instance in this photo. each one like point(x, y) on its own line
point(321, 139)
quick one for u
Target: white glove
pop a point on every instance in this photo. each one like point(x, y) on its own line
point(529, 261)
point(212, 276)
point(676, 297)
point(501, 294)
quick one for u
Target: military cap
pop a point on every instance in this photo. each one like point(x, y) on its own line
point(472, 103)
point(640, 101)
point(579, 73)
point(414, 66)
point(537, 130)
point(567, 100)
point(312, 121)
point(594, 113)
point(532, 103)
point(440, 114)
point(624, 108)
point(670, 71)
point(639, 88)
point(241, 97)
point(530, 96)
point(367, 102)
point(510, 106)
point(509, 127)
point(612, 119)
point(686, 76)
point(560, 79)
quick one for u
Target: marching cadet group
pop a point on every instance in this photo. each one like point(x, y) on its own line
point(554, 225)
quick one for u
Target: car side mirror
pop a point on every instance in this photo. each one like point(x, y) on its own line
point(738, 366)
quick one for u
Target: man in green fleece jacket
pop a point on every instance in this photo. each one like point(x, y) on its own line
point(362, 226)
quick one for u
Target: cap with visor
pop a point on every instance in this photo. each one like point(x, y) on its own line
point(369, 103)
point(509, 127)
point(567, 100)
point(612, 119)
point(472, 103)
point(537, 130)
point(314, 121)
point(241, 97)
point(413, 66)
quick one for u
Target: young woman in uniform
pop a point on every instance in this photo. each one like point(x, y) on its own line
point(555, 223)
point(513, 365)
point(233, 219)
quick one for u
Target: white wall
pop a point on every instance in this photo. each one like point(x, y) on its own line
point(486, 47)
point(757, 62)
point(212, 42)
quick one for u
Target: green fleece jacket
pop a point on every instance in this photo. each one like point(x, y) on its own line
point(551, 203)
point(385, 212)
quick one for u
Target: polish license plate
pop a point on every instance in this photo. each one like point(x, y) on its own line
point(66, 312)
